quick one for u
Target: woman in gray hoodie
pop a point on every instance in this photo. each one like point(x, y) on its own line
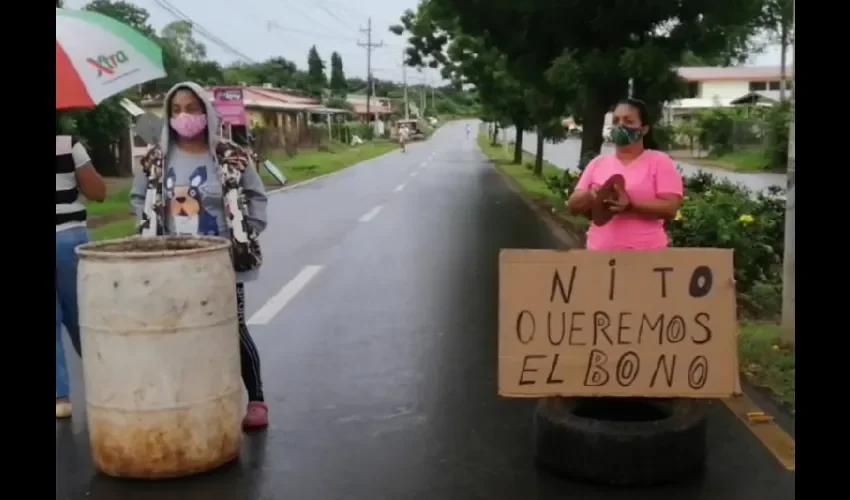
point(190, 183)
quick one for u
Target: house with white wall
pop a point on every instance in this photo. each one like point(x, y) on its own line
point(713, 87)
point(731, 83)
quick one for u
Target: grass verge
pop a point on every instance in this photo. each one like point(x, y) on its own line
point(752, 160)
point(768, 363)
point(117, 229)
point(313, 163)
point(534, 187)
point(117, 201)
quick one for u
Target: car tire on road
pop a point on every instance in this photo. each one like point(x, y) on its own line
point(621, 441)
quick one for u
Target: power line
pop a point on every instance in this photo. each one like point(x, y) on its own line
point(334, 16)
point(174, 11)
point(369, 48)
point(342, 6)
point(308, 18)
point(273, 24)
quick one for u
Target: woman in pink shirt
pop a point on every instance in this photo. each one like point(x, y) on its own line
point(653, 187)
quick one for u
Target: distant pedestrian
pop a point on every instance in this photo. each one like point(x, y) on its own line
point(652, 191)
point(403, 134)
point(76, 180)
point(199, 183)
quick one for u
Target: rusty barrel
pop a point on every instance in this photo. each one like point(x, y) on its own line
point(160, 342)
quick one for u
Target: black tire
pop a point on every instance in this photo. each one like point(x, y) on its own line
point(573, 437)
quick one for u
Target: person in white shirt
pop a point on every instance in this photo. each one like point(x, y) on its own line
point(76, 179)
point(403, 134)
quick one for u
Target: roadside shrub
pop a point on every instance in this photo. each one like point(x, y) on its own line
point(563, 184)
point(665, 136)
point(720, 214)
point(716, 130)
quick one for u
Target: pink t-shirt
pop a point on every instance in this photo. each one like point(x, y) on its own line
point(651, 174)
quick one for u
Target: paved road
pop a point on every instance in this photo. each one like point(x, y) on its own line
point(381, 371)
point(565, 155)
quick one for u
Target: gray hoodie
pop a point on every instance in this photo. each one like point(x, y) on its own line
point(192, 189)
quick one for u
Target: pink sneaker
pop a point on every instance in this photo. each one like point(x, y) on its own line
point(256, 416)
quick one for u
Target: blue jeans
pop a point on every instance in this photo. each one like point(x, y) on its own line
point(66, 300)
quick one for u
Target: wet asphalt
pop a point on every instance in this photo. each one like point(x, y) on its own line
point(565, 155)
point(380, 373)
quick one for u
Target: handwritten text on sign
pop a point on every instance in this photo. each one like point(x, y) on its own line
point(657, 323)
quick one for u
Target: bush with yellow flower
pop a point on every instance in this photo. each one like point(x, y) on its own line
point(718, 213)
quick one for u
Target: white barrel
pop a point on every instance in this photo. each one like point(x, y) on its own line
point(160, 337)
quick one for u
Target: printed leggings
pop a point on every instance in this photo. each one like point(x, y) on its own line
point(248, 354)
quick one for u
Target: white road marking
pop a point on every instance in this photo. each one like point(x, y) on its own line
point(398, 188)
point(279, 300)
point(424, 164)
point(413, 174)
point(371, 214)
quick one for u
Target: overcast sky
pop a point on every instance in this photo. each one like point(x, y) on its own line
point(259, 29)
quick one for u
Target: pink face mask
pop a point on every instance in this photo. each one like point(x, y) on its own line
point(188, 125)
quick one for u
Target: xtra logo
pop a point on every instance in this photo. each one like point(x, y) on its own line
point(107, 64)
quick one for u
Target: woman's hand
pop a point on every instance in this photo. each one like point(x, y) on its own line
point(621, 203)
point(581, 200)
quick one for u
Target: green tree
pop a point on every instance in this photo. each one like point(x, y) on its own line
point(180, 34)
point(277, 71)
point(338, 85)
point(317, 80)
point(356, 85)
point(183, 58)
point(607, 42)
point(778, 20)
point(435, 39)
point(208, 73)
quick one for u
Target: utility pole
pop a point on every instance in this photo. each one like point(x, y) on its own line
point(404, 79)
point(422, 101)
point(789, 260)
point(369, 48)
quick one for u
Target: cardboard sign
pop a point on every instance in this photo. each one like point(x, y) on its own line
point(658, 323)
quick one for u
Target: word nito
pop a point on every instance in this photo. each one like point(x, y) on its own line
point(605, 328)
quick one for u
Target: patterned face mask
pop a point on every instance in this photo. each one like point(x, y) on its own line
point(623, 136)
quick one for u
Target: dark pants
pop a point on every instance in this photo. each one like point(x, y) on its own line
point(248, 354)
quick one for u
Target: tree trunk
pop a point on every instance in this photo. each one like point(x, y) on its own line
point(538, 155)
point(593, 121)
point(125, 156)
point(520, 133)
point(103, 158)
point(494, 141)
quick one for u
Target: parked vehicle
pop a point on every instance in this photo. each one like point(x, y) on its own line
point(414, 128)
